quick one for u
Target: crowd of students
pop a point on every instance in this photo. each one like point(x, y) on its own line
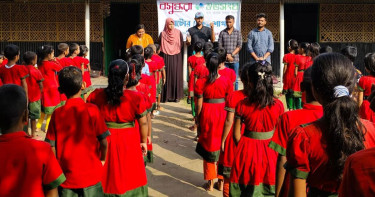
point(101, 139)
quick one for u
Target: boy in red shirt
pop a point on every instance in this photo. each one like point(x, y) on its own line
point(77, 133)
point(34, 87)
point(27, 167)
point(12, 73)
point(62, 52)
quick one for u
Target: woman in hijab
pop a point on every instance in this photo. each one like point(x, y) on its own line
point(171, 43)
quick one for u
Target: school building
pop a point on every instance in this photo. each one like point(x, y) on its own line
point(106, 24)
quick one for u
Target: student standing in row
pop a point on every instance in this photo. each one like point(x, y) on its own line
point(288, 76)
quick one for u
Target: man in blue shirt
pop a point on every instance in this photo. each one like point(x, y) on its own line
point(260, 41)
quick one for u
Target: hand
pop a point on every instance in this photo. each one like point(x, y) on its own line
point(296, 73)
point(144, 149)
point(149, 139)
point(261, 58)
point(222, 146)
point(230, 59)
point(212, 25)
point(188, 39)
point(164, 80)
point(103, 162)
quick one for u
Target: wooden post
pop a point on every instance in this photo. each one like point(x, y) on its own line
point(282, 43)
point(87, 26)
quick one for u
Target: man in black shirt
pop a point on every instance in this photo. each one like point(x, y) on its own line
point(199, 33)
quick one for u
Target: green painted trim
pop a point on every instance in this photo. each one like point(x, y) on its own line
point(206, 155)
point(258, 135)
point(145, 112)
point(137, 192)
point(295, 172)
point(224, 171)
point(51, 142)
point(236, 189)
point(115, 125)
point(219, 100)
point(297, 94)
point(276, 147)
point(230, 109)
point(149, 157)
point(55, 183)
point(104, 135)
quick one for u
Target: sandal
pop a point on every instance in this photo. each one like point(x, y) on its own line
point(193, 127)
point(209, 186)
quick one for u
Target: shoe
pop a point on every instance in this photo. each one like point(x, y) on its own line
point(188, 100)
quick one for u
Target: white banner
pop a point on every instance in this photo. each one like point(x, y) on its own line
point(183, 13)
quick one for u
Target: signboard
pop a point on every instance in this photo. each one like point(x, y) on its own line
point(183, 13)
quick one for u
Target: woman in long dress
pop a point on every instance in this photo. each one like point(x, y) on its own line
point(171, 42)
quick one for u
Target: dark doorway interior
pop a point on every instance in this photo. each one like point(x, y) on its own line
point(118, 27)
point(301, 22)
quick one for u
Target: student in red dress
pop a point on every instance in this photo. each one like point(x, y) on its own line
point(62, 52)
point(34, 87)
point(51, 98)
point(364, 85)
point(302, 62)
point(223, 70)
point(77, 134)
point(211, 93)
point(228, 148)
point(316, 152)
point(194, 61)
point(161, 70)
point(310, 112)
point(289, 73)
point(74, 50)
point(254, 166)
point(2, 60)
point(153, 68)
point(11, 73)
point(124, 170)
point(81, 59)
point(359, 175)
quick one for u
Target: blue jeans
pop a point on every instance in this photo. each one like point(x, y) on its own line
point(235, 66)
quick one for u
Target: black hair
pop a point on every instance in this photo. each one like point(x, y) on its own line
point(73, 47)
point(136, 49)
point(139, 58)
point(313, 50)
point(261, 15)
point(304, 46)
point(135, 68)
point(293, 44)
point(222, 54)
point(117, 71)
point(157, 47)
point(260, 78)
point(13, 103)
point(244, 75)
point(148, 53)
point(198, 47)
point(70, 80)
point(29, 57)
point(43, 52)
point(139, 26)
point(229, 17)
point(11, 51)
point(83, 49)
point(350, 52)
point(306, 85)
point(61, 48)
point(342, 131)
point(212, 63)
point(207, 48)
point(325, 49)
point(370, 63)
point(153, 47)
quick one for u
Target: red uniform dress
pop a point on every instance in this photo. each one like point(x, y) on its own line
point(161, 64)
point(86, 73)
point(228, 73)
point(201, 72)
point(150, 82)
point(5, 61)
point(124, 170)
point(13, 74)
point(193, 61)
point(27, 166)
point(154, 72)
point(76, 139)
point(64, 62)
point(212, 116)
point(302, 62)
point(365, 112)
point(359, 175)
point(289, 77)
point(364, 85)
point(254, 166)
point(226, 158)
point(307, 158)
point(69, 62)
point(287, 122)
point(33, 89)
point(51, 97)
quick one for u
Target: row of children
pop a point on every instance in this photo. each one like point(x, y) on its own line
point(37, 76)
point(100, 147)
point(255, 149)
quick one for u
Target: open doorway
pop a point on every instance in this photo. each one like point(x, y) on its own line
point(121, 23)
point(301, 22)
